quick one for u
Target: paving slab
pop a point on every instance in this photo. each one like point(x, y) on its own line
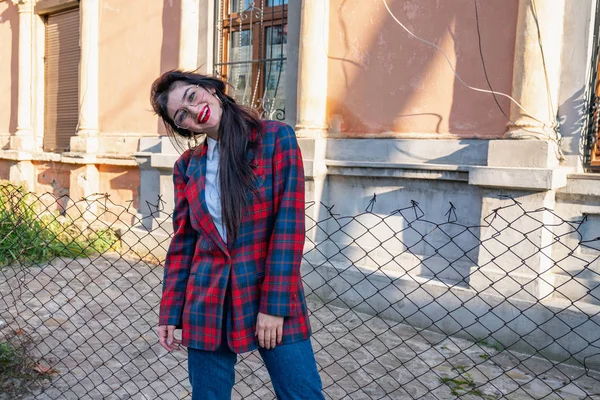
point(94, 321)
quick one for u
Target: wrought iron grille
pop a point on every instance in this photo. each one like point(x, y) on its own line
point(592, 119)
point(250, 52)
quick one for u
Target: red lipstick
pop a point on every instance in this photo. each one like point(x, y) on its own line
point(204, 115)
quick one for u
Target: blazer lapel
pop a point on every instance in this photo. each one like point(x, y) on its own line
point(196, 187)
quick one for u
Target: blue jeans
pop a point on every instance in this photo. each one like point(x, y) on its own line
point(292, 368)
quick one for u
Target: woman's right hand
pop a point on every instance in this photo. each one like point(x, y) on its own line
point(166, 337)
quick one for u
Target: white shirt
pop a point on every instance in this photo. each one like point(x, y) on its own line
point(212, 188)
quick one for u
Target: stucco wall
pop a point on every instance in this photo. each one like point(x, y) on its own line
point(383, 82)
point(4, 169)
point(53, 178)
point(121, 183)
point(138, 40)
point(9, 53)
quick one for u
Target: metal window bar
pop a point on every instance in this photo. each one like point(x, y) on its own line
point(250, 17)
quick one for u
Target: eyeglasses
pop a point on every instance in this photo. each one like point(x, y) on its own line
point(183, 116)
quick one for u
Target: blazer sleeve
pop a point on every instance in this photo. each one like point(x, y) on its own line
point(280, 287)
point(180, 254)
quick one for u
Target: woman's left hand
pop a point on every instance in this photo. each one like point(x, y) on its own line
point(269, 330)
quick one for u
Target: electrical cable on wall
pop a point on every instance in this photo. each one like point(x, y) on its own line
point(558, 138)
point(554, 126)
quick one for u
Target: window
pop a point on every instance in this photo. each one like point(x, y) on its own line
point(251, 48)
point(61, 105)
point(595, 132)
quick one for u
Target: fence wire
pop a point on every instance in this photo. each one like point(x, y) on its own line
point(401, 307)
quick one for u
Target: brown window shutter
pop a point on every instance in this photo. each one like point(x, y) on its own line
point(62, 79)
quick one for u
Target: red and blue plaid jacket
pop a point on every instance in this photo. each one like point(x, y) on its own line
point(263, 264)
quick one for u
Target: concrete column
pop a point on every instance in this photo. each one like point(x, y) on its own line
point(312, 69)
point(514, 258)
point(163, 162)
point(206, 36)
point(23, 139)
point(86, 140)
point(85, 181)
point(537, 66)
point(311, 116)
point(188, 34)
point(84, 184)
point(156, 162)
point(149, 183)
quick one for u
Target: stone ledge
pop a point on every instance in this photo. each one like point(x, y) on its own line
point(519, 178)
point(586, 176)
point(523, 153)
point(409, 151)
point(15, 155)
point(582, 185)
point(166, 161)
point(121, 161)
point(68, 158)
point(447, 172)
point(163, 160)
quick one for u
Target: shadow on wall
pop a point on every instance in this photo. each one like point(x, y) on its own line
point(469, 152)
point(11, 16)
point(55, 179)
point(572, 117)
point(123, 184)
point(383, 80)
point(428, 229)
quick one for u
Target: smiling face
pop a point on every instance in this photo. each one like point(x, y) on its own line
point(194, 108)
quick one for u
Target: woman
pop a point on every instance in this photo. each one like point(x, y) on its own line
point(232, 275)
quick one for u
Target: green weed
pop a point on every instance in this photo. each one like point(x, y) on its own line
point(464, 384)
point(19, 372)
point(30, 236)
point(460, 368)
point(496, 346)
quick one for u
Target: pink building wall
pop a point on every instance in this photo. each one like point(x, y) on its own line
point(382, 82)
point(139, 39)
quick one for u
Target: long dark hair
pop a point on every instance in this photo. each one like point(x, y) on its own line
point(240, 131)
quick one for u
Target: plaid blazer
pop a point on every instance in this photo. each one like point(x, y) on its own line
point(263, 264)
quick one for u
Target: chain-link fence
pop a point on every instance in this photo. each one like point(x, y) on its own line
point(401, 307)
